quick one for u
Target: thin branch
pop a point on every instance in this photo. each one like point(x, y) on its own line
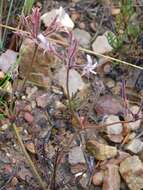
point(31, 164)
point(80, 48)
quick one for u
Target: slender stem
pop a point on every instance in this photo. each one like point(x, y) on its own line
point(69, 98)
point(31, 164)
point(67, 89)
point(7, 20)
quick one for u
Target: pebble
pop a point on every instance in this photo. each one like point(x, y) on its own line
point(28, 117)
point(110, 83)
point(98, 178)
point(76, 155)
point(42, 100)
point(30, 147)
point(107, 68)
point(101, 44)
point(115, 129)
point(60, 106)
point(84, 180)
point(4, 127)
point(31, 91)
point(101, 151)
point(109, 105)
point(7, 60)
point(115, 11)
point(131, 170)
point(135, 146)
point(33, 104)
point(111, 178)
point(63, 18)
point(75, 16)
point(116, 138)
point(83, 37)
point(75, 83)
point(14, 181)
point(82, 25)
point(134, 125)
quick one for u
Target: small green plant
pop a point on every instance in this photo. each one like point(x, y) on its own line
point(3, 34)
point(114, 41)
point(125, 29)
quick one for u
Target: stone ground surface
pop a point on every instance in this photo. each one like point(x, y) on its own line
point(95, 155)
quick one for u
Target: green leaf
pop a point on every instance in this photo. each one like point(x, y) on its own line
point(114, 41)
point(27, 7)
point(133, 30)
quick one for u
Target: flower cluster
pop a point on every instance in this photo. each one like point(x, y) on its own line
point(32, 25)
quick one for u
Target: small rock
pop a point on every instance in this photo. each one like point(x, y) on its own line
point(56, 90)
point(131, 169)
point(75, 83)
point(63, 18)
point(134, 125)
point(83, 37)
point(28, 117)
point(40, 73)
point(106, 67)
point(115, 129)
point(31, 91)
point(75, 16)
point(132, 136)
point(30, 147)
point(135, 146)
point(101, 151)
point(4, 127)
point(111, 178)
point(42, 100)
point(33, 104)
point(84, 180)
point(60, 106)
point(14, 181)
point(116, 161)
point(108, 105)
point(7, 60)
point(116, 138)
point(98, 178)
point(110, 83)
point(82, 25)
point(28, 108)
point(115, 11)
point(49, 150)
point(101, 44)
point(76, 155)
